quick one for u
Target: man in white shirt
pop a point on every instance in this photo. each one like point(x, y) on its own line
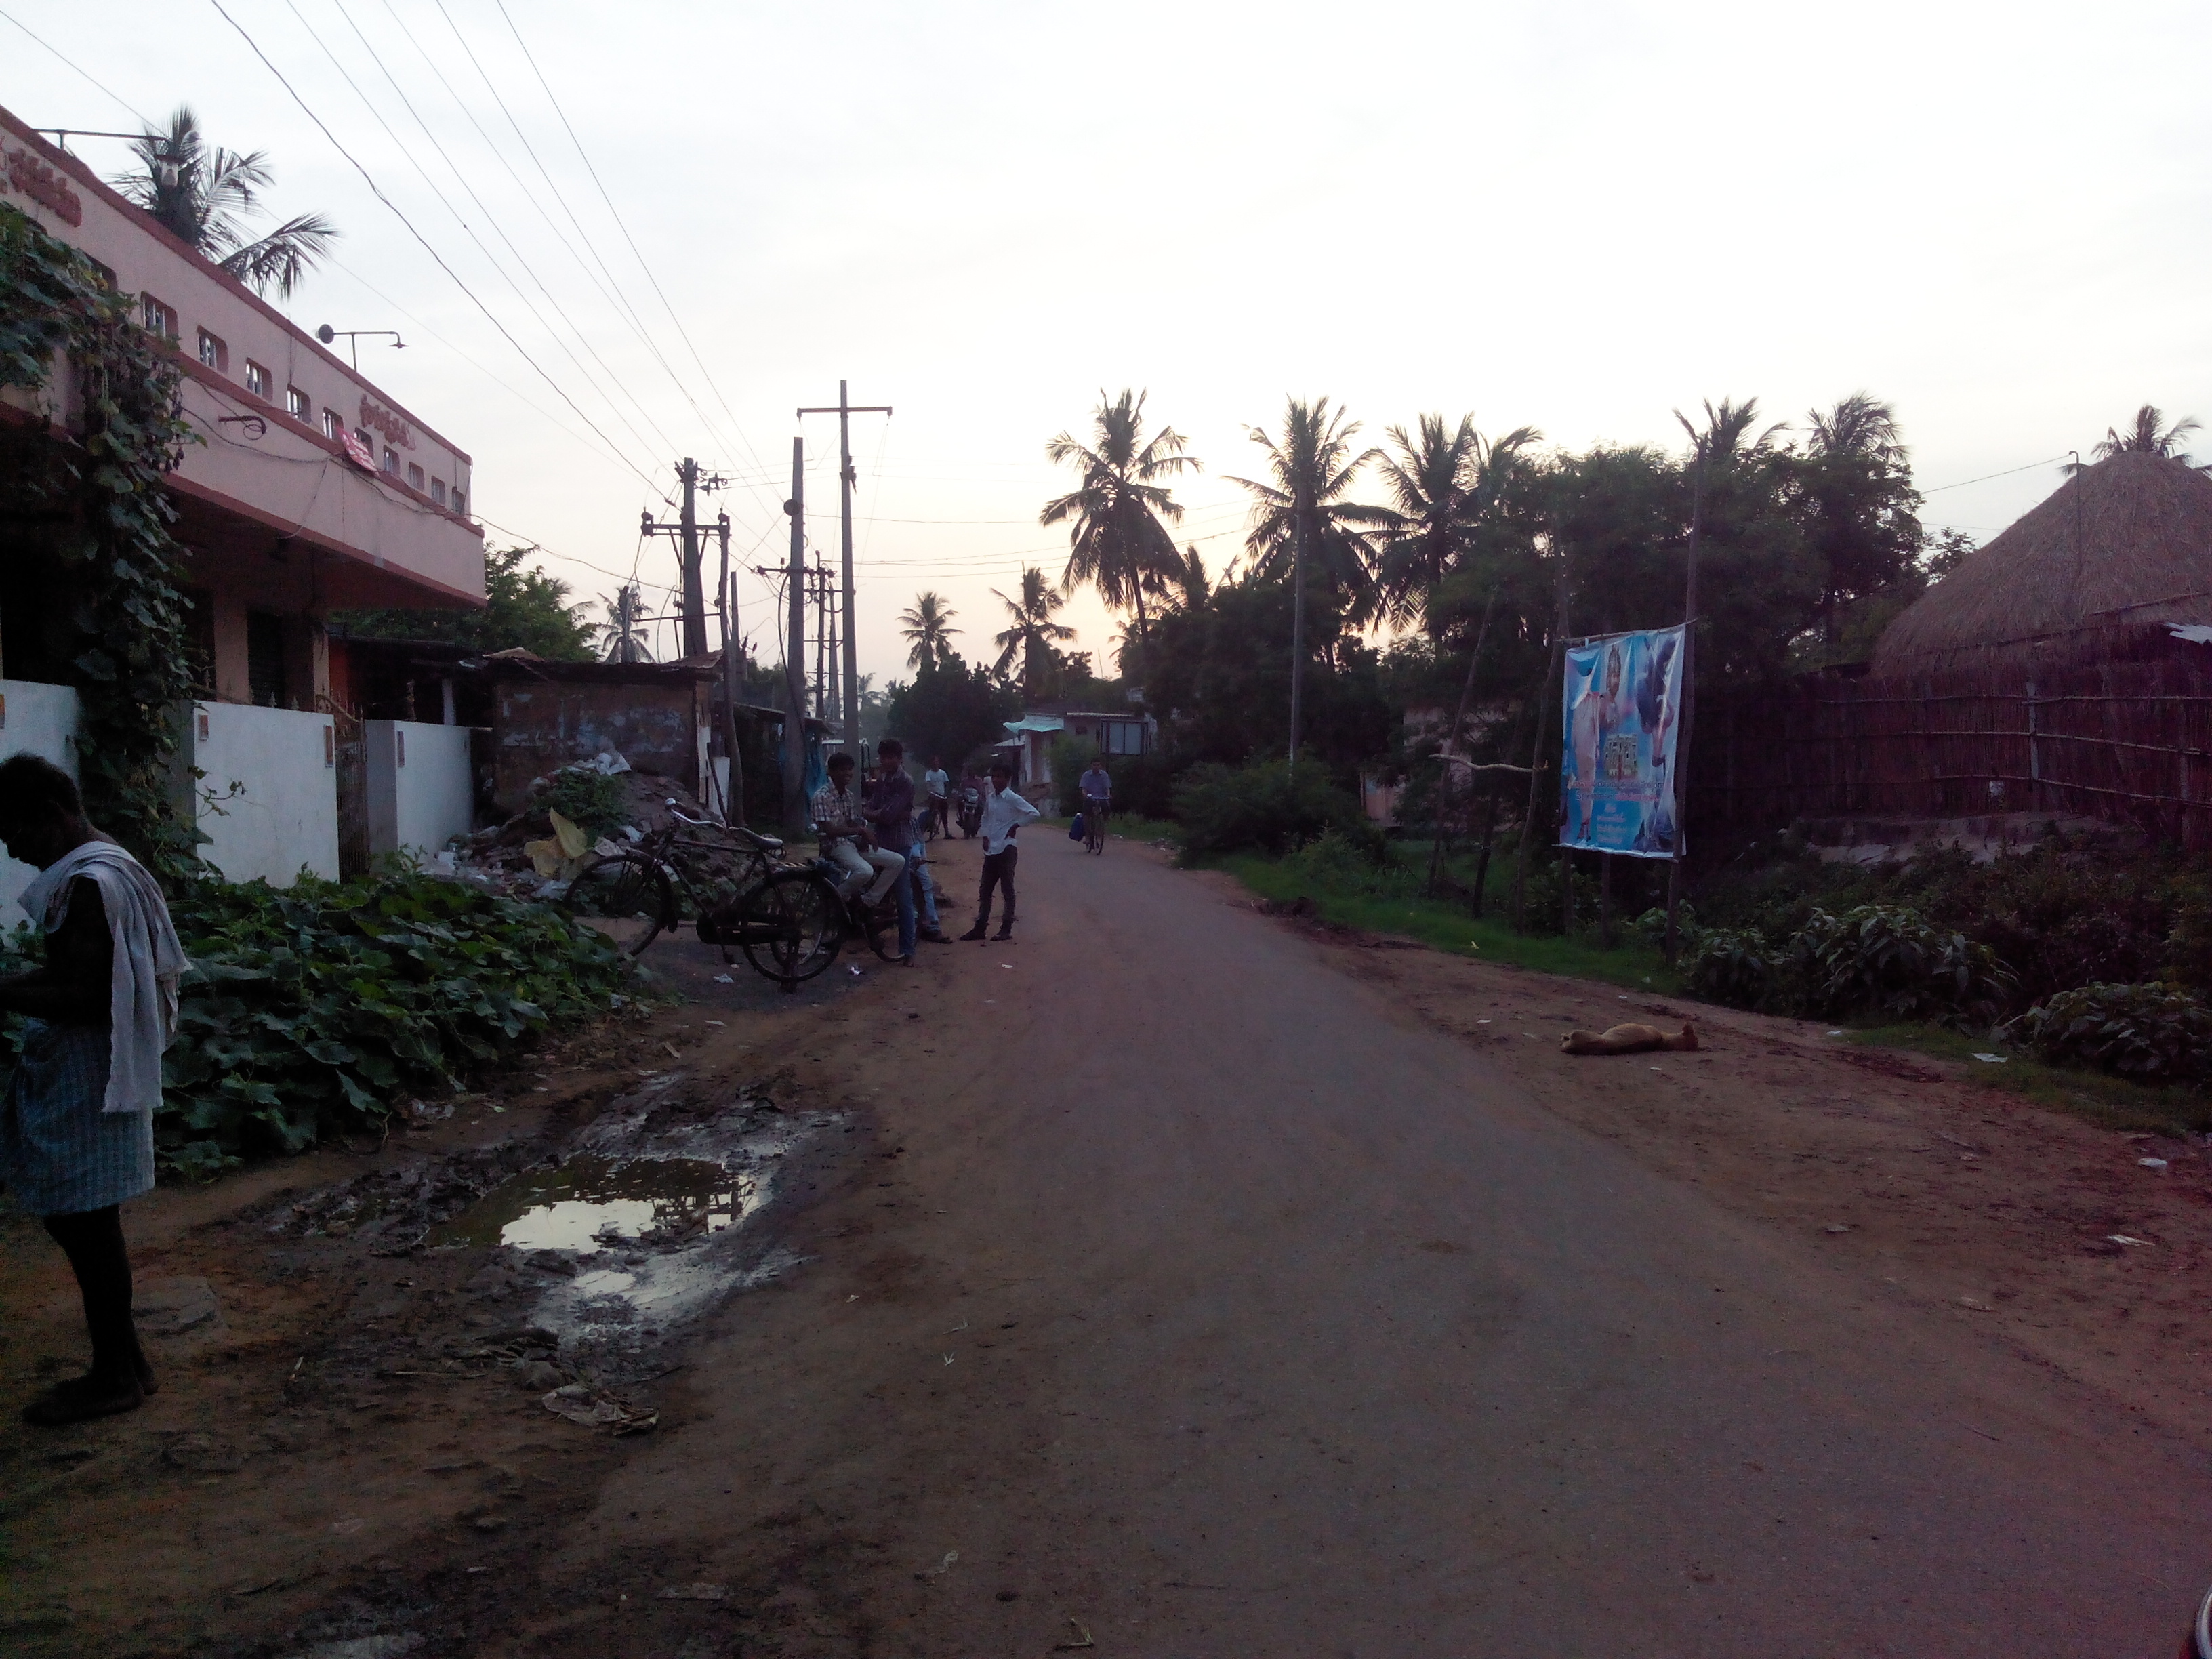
point(843, 834)
point(936, 784)
point(1004, 812)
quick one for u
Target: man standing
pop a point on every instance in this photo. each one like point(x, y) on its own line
point(843, 834)
point(939, 788)
point(890, 814)
point(1004, 812)
point(76, 1126)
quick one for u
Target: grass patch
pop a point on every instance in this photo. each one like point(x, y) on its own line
point(2111, 1103)
point(1126, 825)
point(1446, 926)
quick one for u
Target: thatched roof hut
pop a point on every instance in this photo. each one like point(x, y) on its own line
point(2094, 574)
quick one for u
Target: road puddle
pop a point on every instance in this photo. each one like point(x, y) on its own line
point(590, 1203)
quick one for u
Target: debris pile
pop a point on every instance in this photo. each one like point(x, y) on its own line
point(536, 852)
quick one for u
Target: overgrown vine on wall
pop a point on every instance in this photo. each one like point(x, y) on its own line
point(104, 491)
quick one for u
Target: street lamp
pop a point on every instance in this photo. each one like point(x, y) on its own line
point(353, 337)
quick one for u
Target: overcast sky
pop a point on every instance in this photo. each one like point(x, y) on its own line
point(1578, 218)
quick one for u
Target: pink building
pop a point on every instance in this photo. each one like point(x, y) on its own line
point(311, 491)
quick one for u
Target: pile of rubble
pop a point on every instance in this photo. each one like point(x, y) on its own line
point(534, 853)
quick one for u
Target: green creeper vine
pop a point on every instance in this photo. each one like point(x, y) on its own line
point(104, 491)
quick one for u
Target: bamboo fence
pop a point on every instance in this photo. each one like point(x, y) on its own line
point(2130, 742)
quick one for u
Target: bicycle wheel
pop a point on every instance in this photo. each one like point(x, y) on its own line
point(624, 897)
point(879, 927)
point(792, 926)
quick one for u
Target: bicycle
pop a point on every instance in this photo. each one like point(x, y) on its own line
point(1094, 825)
point(789, 921)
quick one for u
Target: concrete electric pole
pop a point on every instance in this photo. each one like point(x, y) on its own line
point(794, 655)
point(850, 717)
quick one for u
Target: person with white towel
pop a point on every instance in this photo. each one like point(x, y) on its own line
point(76, 1124)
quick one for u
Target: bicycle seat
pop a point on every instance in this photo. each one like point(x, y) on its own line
point(753, 838)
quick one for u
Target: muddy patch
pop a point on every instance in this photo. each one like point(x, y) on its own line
point(598, 1247)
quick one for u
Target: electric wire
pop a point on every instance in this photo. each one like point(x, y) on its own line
point(682, 333)
point(83, 74)
point(428, 247)
point(467, 229)
point(619, 301)
point(499, 230)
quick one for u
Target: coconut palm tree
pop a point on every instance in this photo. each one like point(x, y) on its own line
point(621, 633)
point(1860, 425)
point(927, 626)
point(1034, 629)
point(1312, 465)
point(1191, 589)
point(1118, 515)
point(1722, 440)
point(1443, 484)
point(2150, 436)
point(203, 195)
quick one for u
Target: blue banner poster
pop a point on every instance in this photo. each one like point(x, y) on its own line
point(1623, 708)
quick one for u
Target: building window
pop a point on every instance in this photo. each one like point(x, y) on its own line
point(414, 476)
point(296, 403)
point(265, 659)
point(438, 491)
point(214, 354)
point(156, 318)
point(256, 379)
point(390, 460)
point(333, 428)
point(460, 503)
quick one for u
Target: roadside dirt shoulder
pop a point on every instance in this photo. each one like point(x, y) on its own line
point(1943, 1190)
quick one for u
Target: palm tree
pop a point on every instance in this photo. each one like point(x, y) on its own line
point(2148, 436)
point(1191, 590)
point(1723, 439)
point(1443, 484)
point(203, 195)
point(624, 638)
point(927, 626)
point(1860, 425)
point(1117, 541)
point(1312, 465)
point(1034, 629)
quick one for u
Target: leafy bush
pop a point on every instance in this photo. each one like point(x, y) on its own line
point(1731, 965)
point(1333, 862)
point(596, 802)
point(1262, 806)
point(1888, 960)
point(319, 1009)
point(2152, 1033)
point(1144, 785)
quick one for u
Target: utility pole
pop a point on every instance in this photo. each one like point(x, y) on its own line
point(685, 533)
point(1678, 776)
point(1298, 622)
point(846, 409)
point(794, 654)
point(733, 797)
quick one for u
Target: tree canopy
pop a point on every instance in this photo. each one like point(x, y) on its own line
point(524, 606)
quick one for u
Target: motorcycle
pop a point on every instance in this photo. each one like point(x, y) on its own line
point(971, 812)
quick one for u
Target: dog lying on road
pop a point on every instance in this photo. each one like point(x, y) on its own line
point(1628, 1039)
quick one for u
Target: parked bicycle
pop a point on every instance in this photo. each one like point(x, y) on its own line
point(789, 921)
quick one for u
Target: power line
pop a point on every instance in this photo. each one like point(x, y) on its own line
point(609, 290)
point(500, 230)
point(468, 229)
point(377, 191)
point(682, 333)
point(2007, 473)
point(83, 74)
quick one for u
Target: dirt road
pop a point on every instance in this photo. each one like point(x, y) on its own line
point(1218, 1304)
point(1185, 1293)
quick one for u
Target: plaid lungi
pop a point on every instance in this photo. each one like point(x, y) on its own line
point(59, 1152)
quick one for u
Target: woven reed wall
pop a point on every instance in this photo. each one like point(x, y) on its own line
point(2129, 742)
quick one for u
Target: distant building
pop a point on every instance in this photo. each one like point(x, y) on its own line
point(311, 491)
point(1029, 740)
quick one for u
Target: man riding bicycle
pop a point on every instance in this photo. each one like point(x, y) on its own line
point(1098, 795)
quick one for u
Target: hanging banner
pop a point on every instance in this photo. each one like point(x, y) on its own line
point(1623, 706)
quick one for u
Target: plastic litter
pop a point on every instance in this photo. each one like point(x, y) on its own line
point(581, 1403)
point(2152, 1163)
point(723, 979)
point(1991, 1060)
point(2122, 1238)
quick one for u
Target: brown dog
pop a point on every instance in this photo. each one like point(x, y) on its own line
point(1628, 1039)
